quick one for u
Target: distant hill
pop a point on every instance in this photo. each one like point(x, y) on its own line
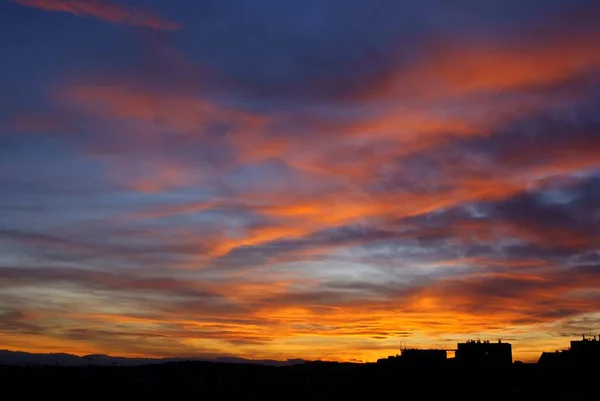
point(62, 359)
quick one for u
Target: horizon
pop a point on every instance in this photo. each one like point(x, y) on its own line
point(318, 180)
point(183, 358)
point(214, 358)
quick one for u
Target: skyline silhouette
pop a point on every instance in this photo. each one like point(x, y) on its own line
point(471, 353)
point(316, 179)
point(481, 368)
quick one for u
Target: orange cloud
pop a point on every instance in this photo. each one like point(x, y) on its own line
point(292, 217)
point(149, 121)
point(368, 318)
point(180, 112)
point(468, 68)
point(104, 11)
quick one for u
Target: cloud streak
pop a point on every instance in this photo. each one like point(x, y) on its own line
point(105, 11)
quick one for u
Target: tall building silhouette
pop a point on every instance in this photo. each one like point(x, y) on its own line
point(423, 357)
point(415, 357)
point(582, 352)
point(484, 353)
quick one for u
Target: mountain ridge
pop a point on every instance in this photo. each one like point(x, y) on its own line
point(22, 358)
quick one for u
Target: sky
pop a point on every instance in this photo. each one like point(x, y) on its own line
point(318, 179)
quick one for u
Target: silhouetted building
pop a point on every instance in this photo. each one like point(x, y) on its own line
point(484, 353)
point(586, 347)
point(390, 360)
point(414, 357)
point(556, 358)
point(584, 352)
point(423, 357)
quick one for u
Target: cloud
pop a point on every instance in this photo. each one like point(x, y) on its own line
point(35, 123)
point(346, 185)
point(459, 170)
point(19, 322)
point(105, 11)
point(176, 127)
point(483, 68)
point(534, 298)
point(550, 50)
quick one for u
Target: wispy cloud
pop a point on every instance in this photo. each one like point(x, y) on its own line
point(103, 10)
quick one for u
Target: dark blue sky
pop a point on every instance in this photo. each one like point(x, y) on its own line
point(298, 178)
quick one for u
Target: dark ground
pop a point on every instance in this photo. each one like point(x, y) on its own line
point(311, 381)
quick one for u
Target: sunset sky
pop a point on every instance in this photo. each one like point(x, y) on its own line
point(326, 179)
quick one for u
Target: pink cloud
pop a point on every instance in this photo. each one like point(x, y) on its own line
point(104, 11)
